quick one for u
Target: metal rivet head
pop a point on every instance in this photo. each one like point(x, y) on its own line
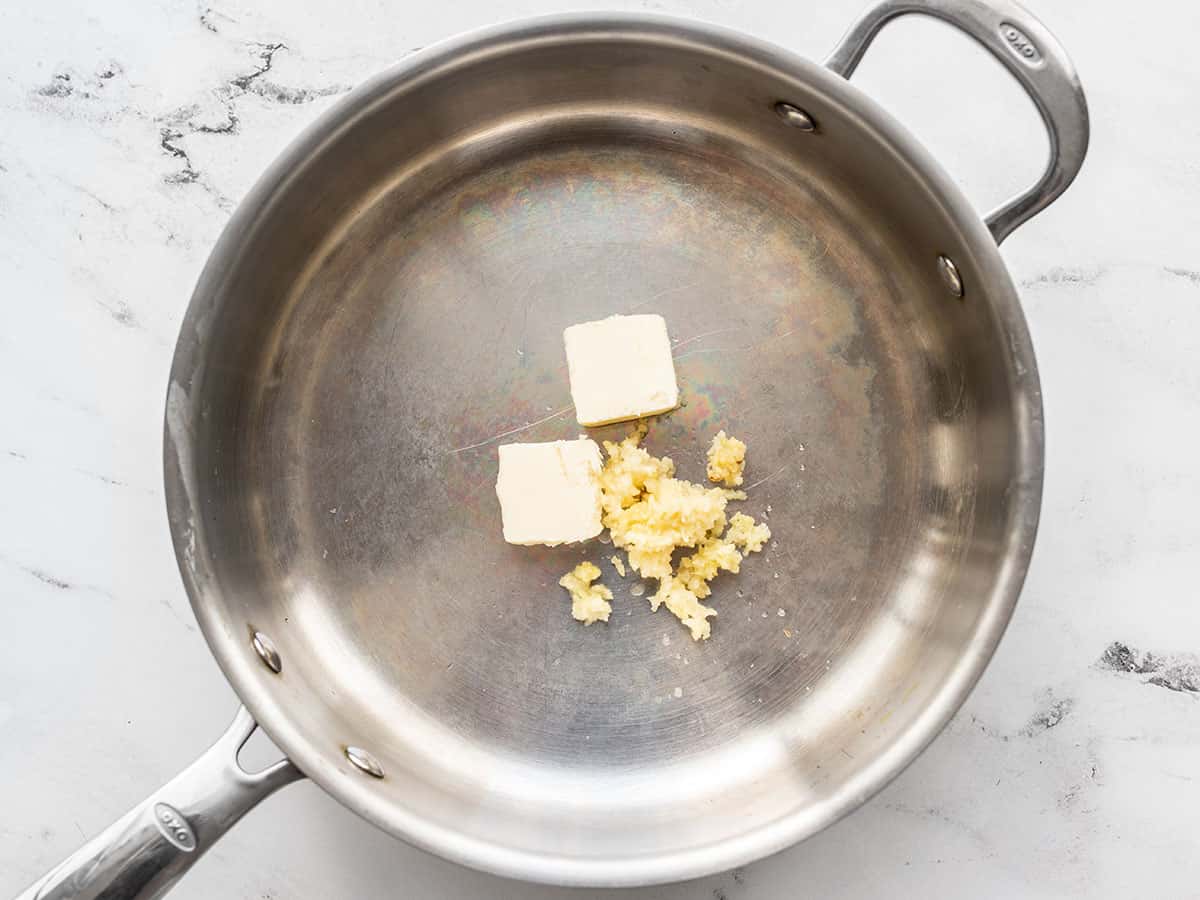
point(364, 761)
point(795, 116)
point(950, 276)
point(265, 648)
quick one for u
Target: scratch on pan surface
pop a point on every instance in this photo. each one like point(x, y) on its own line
point(504, 434)
point(768, 478)
point(701, 337)
point(766, 340)
point(663, 293)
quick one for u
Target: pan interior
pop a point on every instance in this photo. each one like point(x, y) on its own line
point(396, 313)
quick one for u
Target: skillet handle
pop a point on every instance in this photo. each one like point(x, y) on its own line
point(146, 851)
point(1034, 57)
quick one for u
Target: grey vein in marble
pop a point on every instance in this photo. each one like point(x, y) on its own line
point(1177, 672)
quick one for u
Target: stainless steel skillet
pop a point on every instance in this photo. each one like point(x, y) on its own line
point(387, 305)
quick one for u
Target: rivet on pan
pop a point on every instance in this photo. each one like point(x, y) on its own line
point(265, 648)
point(950, 275)
point(364, 761)
point(795, 116)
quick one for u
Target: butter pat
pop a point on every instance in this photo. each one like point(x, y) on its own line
point(620, 368)
point(549, 493)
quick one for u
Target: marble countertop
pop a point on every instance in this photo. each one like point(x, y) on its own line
point(129, 135)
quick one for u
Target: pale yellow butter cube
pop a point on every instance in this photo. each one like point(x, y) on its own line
point(549, 493)
point(620, 368)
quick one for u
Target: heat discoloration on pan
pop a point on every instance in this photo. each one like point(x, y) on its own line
point(439, 336)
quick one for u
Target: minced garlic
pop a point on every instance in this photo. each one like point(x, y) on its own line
point(726, 460)
point(683, 591)
point(629, 468)
point(697, 570)
point(650, 514)
point(686, 607)
point(748, 535)
point(589, 602)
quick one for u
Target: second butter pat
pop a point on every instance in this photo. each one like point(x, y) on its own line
point(620, 369)
point(549, 493)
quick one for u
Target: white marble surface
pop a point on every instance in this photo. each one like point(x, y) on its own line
point(128, 131)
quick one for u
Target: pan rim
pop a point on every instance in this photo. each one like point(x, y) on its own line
point(225, 638)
